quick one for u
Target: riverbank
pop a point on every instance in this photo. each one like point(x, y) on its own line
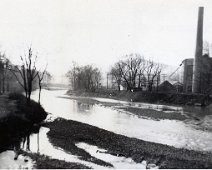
point(144, 96)
point(67, 133)
point(45, 162)
point(153, 114)
point(124, 104)
point(18, 120)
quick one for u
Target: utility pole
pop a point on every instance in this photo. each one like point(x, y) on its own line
point(107, 80)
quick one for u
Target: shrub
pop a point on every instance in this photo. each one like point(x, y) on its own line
point(32, 111)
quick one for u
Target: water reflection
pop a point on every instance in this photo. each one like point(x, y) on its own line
point(32, 143)
point(171, 132)
point(26, 143)
point(39, 143)
point(14, 158)
point(83, 107)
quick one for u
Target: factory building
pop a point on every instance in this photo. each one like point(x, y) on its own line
point(197, 71)
point(205, 76)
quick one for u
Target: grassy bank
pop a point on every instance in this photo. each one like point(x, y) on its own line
point(144, 96)
point(65, 133)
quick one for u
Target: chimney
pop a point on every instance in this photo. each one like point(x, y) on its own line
point(196, 82)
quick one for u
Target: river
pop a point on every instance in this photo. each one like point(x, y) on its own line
point(195, 134)
point(181, 134)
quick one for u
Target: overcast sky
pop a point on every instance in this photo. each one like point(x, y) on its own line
point(101, 31)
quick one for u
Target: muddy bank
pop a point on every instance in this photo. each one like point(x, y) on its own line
point(44, 162)
point(145, 96)
point(66, 133)
point(153, 114)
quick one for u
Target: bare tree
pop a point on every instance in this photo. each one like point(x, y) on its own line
point(135, 72)
point(115, 72)
point(40, 76)
point(155, 76)
point(4, 75)
point(206, 47)
point(122, 66)
point(141, 73)
point(128, 70)
point(84, 77)
point(153, 71)
point(27, 72)
point(158, 77)
point(149, 70)
point(97, 77)
point(133, 63)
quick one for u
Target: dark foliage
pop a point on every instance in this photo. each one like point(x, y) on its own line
point(32, 111)
point(21, 123)
point(12, 129)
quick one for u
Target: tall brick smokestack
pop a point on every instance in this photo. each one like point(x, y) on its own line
point(196, 83)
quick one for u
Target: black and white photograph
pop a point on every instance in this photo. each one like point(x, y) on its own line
point(105, 84)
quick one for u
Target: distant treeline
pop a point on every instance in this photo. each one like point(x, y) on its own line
point(136, 72)
point(84, 77)
point(8, 82)
point(133, 72)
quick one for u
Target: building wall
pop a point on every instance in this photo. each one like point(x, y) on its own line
point(187, 74)
point(205, 74)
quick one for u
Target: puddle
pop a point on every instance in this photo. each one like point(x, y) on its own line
point(7, 161)
point(117, 162)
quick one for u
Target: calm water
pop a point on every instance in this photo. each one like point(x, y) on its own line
point(188, 134)
point(194, 133)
